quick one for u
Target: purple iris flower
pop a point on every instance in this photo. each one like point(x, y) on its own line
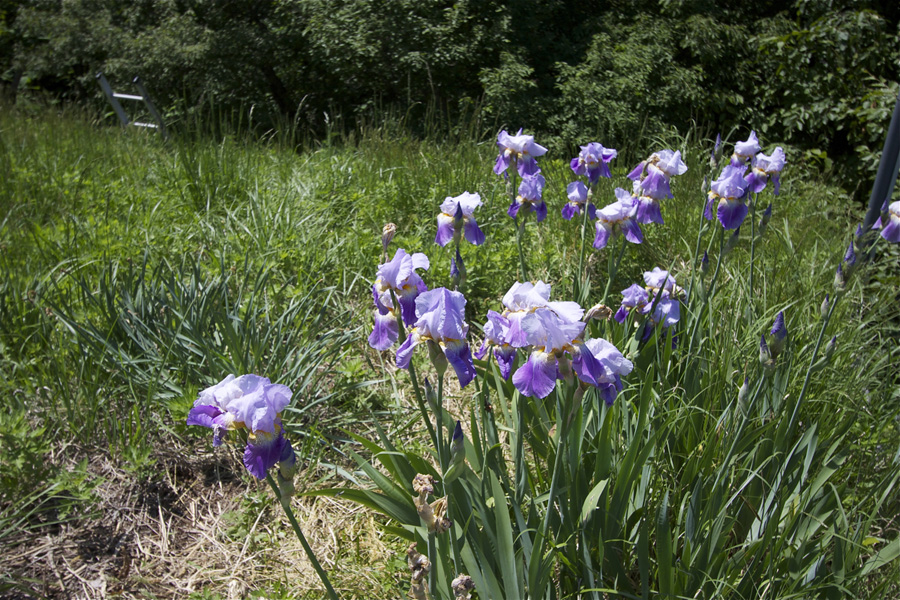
point(441, 323)
point(398, 275)
point(577, 193)
point(729, 192)
point(763, 168)
point(667, 309)
point(247, 402)
point(523, 299)
point(599, 363)
point(530, 198)
point(551, 337)
point(457, 215)
point(618, 217)
point(651, 183)
point(519, 149)
point(658, 279)
point(891, 231)
point(496, 336)
point(745, 150)
point(593, 161)
point(634, 297)
point(558, 350)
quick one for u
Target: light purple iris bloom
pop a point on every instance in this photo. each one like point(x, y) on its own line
point(729, 193)
point(457, 215)
point(247, 402)
point(504, 332)
point(651, 183)
point(441, 322)
point(523, 299)
point(558, 350)
point(551, 338)
point(398, 275)
point(600, 364)
point(618, 217)
point(891, 230)
point(530, 198)
point(763, 168)
point(593, 162)
point(520, 149)
point(660, 279)
point(577, 193)
point(634, 297)
point(667, 309)
point(745, 150)
point(496, 336)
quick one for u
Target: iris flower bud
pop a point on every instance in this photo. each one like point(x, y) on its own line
point(765, 356)
point(840, 282)
point(829, 348)
point(744, 395)
point(430, 396)
point(764, 221)
point(779, 335)
point(823, 310)
point(457, 444)
point(387, 234)
point(731, 242)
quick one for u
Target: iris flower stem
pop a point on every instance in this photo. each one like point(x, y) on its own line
point(613, 268)
point(752, 246)
point(712, 290)
point(442, 460)
point(433, 557)
point(690, 289)
point(520, 234)
point(557, 464)
point(579, 284)
point(286, 505)
point(412, 374)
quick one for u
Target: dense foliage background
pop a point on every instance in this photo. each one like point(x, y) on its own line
point(819, 75)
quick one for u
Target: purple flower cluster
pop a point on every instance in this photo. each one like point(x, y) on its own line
point(592, 162)
point(651, 179)
point(659, 295)
point(435, 317)
point(728, 193)
point(522, 151)
point(398, 279)
point(552, 333)
point(247, 402)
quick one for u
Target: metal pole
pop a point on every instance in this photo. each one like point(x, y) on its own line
point(112, 100)
point(888, 168)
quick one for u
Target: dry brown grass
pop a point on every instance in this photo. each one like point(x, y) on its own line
point(172, 533)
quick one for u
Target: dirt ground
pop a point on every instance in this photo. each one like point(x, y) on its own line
point(196, 525)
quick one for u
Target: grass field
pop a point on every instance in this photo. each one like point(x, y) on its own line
point(134, 272)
